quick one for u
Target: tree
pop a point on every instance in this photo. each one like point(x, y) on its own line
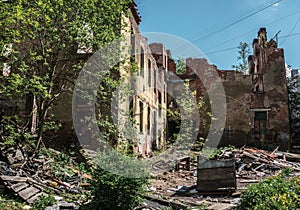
point(244, 51)
point(180, 66)
point(185, 114)
point(294, 108)
point(45, 37)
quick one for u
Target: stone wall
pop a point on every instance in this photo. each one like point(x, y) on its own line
point(257, 103)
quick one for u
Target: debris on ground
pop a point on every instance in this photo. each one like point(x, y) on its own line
point(186, 183)
point(181, 187)
point(49, 173)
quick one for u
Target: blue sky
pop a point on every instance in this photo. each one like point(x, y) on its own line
point(206, 24)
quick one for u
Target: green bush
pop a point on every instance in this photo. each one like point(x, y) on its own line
point(114, 191)
point(43, 201)
point(276, 193)
point(7, 202)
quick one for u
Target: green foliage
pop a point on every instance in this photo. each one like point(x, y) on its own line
point(7, 203)
point(113, 191)
point(185, 114)
point(213, 153)
point(180, 66)
point(44, 37)
point(47, 152)
point(43, 201)
point(12, 133)
point(294, 108)
point(63, 158)
point(276, 193)
point(52, 124)
point(244, 51)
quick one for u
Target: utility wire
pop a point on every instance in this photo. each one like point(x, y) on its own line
point(235, 22)
point(290, 35)
point(217, 51)
point(228, 40)
point(222, 50)
point(215, 26)
point(290, 31)
point(231, 48)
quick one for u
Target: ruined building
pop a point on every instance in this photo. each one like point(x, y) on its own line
point(257, 103)
point(139, 112)
point(145, 105)
point(148, 104)
point(269, 98)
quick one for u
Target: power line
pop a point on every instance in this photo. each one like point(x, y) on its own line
point(231, 48)
point(237, 21)
point(291, 30)
point(228, 40)
point(290, 35)
point(231, 24)
point(222, 50)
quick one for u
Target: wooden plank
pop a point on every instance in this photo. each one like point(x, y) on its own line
point(249, 181)
point(221, 206)
point(2, 187)
point(183, 162)
point(170, 203)
point(14, 178)
point(28, 192)
point(36, 196)
point(217, 177)
point(216, 174)
point(56, 190)
point(247, 154)
point(19, 186)
point(216, 185)
point(205, 163)
point(292, 156)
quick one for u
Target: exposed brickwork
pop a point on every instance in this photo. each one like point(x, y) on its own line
point(257, 103)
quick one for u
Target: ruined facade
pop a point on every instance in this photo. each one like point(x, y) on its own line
point(269, 98)
point(139, 108)
point(257, 103)
point(148, 104)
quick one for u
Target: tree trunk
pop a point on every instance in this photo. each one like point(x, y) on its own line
point(34, 117)
point(42, 118)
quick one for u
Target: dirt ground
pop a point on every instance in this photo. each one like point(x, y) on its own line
point(180, 187)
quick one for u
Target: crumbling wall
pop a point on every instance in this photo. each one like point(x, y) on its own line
point(238, 117)
point(257, 103)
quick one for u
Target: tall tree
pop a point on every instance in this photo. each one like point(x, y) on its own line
point(244, 52)
point(43, 38)
point(294, 108)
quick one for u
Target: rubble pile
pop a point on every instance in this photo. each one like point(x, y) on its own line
point(50, 173)
point(253, 164)
point(178, 187)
